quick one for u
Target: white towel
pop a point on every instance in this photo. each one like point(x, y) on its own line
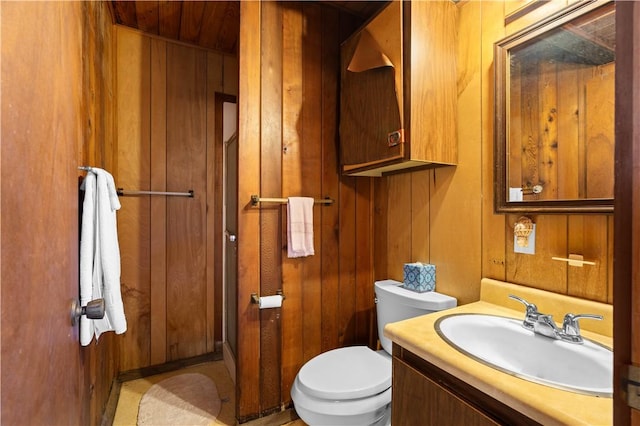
point(100, 255)
point(300, 227)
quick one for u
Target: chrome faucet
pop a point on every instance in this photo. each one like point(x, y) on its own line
point(544, 325)
point(531, 313)
point(571, 328)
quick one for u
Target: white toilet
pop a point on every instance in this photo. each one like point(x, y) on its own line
point(352, 385)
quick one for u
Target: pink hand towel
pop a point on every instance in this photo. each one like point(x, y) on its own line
point(300, 227)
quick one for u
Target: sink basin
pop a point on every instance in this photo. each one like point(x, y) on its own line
point(504, 344)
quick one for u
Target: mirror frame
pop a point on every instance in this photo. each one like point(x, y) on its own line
point(501, 56)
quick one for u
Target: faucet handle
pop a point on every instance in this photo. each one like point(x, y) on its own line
point(571, 327)
point(531, 313)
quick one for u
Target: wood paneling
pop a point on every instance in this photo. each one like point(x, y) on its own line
point(61, 53)
point(186, 217)
point(561, 130)
point(209, 24)
point(271, 215)
point(167, 141)
point(134, 100)
point(463, 247)
point(249, 114)
point(288, 110)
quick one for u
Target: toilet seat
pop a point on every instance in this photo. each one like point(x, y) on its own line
point(345, 374)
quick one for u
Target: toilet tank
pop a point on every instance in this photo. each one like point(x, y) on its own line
point(395, 303)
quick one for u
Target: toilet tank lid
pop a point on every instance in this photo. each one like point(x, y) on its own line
point(429, 300)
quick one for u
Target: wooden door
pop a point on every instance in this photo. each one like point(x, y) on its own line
point(627, 206)
point(230, 239)
point(42, 117)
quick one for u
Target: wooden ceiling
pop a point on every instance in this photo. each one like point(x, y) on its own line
point(209, 24)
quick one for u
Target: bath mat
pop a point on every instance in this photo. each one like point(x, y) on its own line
point(185, 399)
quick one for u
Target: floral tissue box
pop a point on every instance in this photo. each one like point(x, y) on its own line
point(419, 277)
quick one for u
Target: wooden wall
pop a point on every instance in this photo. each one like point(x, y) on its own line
point(57, 114)
point(561, 129)
point(289, 80)
point(166, 141)
point(445, 216)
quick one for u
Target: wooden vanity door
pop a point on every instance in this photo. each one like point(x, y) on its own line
point(417, 400)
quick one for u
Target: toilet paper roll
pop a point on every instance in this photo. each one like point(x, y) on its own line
point(270, 302)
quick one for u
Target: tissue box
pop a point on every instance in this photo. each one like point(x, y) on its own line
point(419, 277)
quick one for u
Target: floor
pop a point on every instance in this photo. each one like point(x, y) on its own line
point(131, 393)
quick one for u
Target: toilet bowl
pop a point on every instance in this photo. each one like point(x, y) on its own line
point(352, 385)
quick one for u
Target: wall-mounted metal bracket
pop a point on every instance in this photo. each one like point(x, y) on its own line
point(631, 386)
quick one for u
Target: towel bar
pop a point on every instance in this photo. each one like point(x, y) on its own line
point(255, 199)
point(124, 193)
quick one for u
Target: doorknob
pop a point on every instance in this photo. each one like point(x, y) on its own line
point(93, 310)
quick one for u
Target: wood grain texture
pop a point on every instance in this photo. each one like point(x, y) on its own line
point(493, 225)
point(133, 106)
point(292, 133)
point(399, 224)
point(158, 220)
point(54, 51)
point(167, 101)
point(329, 232)
point(186, 224)
point(311, 168)
point(465, 249)
point(627, 238)
point(413, 392)
point(248, 351)
point(271, 215)
point(433, 84)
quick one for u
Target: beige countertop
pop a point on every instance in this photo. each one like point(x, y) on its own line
point(543, 404)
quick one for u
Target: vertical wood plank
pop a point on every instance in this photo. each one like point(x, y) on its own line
point(133, 117)
point(158, 218)
point(420, 216)
point(399, 233)
point(230, 74)
point(215, 72)
point(568, 132)
point(548, 130)
point(491, 18)
point(249, 113)
point(186, 218)
point(271, 180)
point(292, 269)
point(599, 132)
point(588, 236)
point(311, 168)
point(330, 179)
point(347, 285)
point(364, 294)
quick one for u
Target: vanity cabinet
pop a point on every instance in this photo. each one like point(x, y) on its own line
point(398, 99)
point(423, 394)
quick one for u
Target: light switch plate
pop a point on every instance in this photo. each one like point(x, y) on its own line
point(531, 247)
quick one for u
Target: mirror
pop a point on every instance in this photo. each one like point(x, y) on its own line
point(554, 124)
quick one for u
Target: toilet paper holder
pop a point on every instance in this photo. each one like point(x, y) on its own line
point(256, 299)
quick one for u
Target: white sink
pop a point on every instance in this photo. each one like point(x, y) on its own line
point(504, 344)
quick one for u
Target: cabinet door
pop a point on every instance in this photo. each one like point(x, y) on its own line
point(371, 92)
point(417, 400)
